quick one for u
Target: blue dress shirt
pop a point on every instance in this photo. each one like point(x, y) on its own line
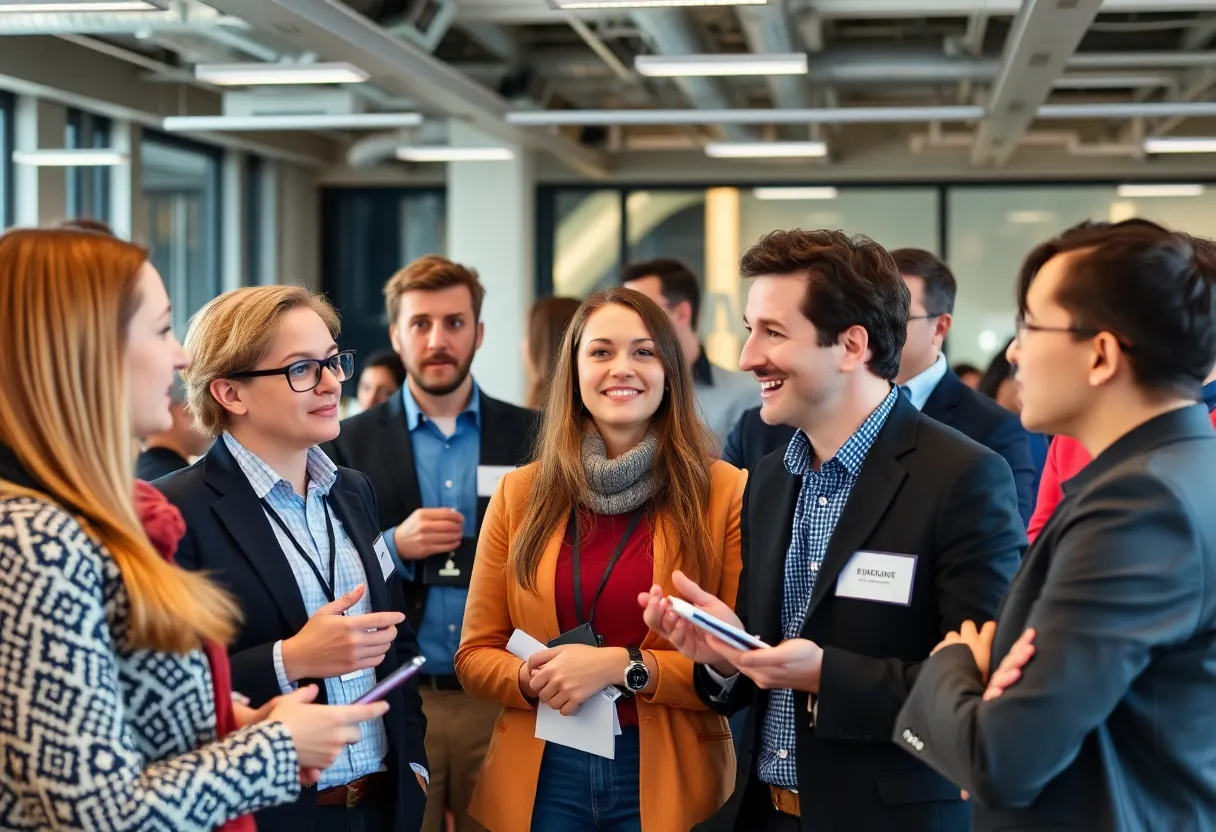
point(821, 500)
point(447, 478)
point(920, 387)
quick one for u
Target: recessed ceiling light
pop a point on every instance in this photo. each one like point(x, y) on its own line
point(248, 75)
point(1133, 191)
point(765, 150)
point(54, 6)
point(640, 4)
point(351, 121)
point(1180, 144)
point(796, 193)
point(69, 158)
point(672, 66)
point(455, 154)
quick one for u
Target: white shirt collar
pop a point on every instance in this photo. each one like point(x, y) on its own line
point(920, 387)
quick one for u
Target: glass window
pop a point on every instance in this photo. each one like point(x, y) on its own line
point(88, 188)
point(180, 182)
point(667, 224)
point(992, 229)
point(6, 158)
point(585, 242)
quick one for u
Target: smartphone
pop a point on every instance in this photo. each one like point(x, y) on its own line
point(730, 634)
point(392, 681)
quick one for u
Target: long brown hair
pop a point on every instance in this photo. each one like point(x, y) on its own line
point(682, 459)
point(547, 322)
point(66, 298)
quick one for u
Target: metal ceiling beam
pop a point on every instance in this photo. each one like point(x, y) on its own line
point(768, 31)
point(1044, 35)
point(965, 8)
point(331, 29)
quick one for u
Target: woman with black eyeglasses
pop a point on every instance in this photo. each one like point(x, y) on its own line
point(294, 539)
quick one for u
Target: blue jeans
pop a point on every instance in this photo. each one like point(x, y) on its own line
point(580, 792)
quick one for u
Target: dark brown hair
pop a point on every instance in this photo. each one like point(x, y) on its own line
point(677, 283)
point(431, 273)
point(681, 465)
point(547, 322)
point(1151, 288)
point(940, 286)
point(850, 281)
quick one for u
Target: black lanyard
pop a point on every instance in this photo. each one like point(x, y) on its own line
point(578, 584)
point(333, 549)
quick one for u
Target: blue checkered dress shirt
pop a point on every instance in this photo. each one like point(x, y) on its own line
point(305, 517)
point(821, 501)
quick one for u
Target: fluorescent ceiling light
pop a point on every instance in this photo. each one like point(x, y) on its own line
point(668, 66)
point(765, 150)
point(1180, 144)
point(352, 121)
point(69, 158)
point(455, 154)
point(796, 193)
point(51, 6)
point(1030, 217)
point(248, 75)
point(639, 4)
point(1133, 191)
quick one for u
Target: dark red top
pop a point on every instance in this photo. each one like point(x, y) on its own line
point(618, 618)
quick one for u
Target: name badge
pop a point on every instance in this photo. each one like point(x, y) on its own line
point(488, 477)
point(387, 567)
point(878, 576)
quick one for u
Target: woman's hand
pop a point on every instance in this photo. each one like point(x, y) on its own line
point(565, 677)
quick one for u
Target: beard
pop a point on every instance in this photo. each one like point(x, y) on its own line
point(418, 374)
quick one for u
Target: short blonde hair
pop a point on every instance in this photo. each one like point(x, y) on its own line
point(431, 273)
point(231, 334)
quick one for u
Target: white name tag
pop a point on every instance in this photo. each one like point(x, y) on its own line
point(878, 576)
point(387, 567)
point(488, 477)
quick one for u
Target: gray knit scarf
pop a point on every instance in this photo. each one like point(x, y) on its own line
point(618, 486)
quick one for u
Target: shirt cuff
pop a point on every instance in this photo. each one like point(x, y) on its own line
point(724, 683)
point(421, 772)
point(280, 672)
point(404, 568)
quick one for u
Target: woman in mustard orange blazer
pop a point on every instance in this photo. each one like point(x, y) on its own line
point(625, 490)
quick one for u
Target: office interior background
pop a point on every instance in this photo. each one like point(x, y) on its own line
point(548, 142)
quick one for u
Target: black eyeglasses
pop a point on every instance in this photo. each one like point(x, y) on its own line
point(1082, 332)
point(925, 317)
point(305, 374)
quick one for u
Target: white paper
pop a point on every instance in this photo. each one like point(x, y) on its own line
point(616, 723)
point(488, 477)
point(878, 576)
point(592, 729)
point(383, 557)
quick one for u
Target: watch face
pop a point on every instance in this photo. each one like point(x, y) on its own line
point(636, 678)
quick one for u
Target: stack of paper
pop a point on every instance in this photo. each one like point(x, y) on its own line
point(592, 728)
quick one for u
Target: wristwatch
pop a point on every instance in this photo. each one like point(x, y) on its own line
point(637, 675)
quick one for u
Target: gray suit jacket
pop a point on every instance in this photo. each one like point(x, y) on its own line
point(723, 397)
point(1111, 725)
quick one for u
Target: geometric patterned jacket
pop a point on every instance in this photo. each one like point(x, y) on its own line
point(94, 736)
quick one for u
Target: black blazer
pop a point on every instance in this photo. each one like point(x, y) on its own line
point(952, 403)
point(377, 443)
point(925, 490)
point(1111, 725)
point(229, 537)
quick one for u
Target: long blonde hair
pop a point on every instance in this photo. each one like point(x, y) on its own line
point(66, 299)
point(681, 464)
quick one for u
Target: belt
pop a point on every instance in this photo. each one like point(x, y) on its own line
point(356, 792)
point(785, 801)
point(442, 682)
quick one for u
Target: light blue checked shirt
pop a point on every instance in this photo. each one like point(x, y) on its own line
point(821, 501)
point(305, 517)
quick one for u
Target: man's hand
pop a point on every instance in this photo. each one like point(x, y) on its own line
point(421, 782)
point(1010, 669)
point(428, 531)
point(794, 664)
point(690, 640)
point(566, 676)
point(979, 641)
point(333, 643)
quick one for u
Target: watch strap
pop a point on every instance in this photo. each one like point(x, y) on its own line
point(635, 655)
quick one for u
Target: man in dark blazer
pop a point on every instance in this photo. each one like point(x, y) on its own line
point(434, 454)
point(1110, 725)
point(229, 536)
point(927, 380)
point(862, 543)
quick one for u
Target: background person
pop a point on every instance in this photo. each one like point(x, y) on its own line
point(382, 376)
point(547, 322)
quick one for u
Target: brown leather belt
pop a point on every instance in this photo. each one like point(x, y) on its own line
point(354, 793)
point(785, 801)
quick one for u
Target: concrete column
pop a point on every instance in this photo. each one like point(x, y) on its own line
point(40, 192)
point(232, 221)
point(267, 269)
point(491, 228)
point(124, 179)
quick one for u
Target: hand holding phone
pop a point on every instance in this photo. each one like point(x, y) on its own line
point(728, 633)
point(392, 681)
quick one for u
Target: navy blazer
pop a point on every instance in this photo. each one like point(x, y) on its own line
point(952, 403)
point(229, 536)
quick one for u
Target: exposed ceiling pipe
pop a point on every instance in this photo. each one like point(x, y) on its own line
point(162, 70)
point(601, 49)
point(768, 31)
point(1141, 60)
point(1006, 8)
point(668, 31)
point(1068, 140)
point(1197, 89)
